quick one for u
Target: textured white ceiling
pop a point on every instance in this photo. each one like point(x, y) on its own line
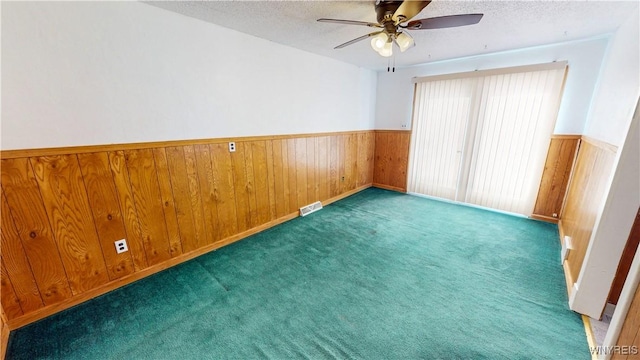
point(506, 25)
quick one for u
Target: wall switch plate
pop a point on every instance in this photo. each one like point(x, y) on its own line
point(121, 246)
point(232, 146)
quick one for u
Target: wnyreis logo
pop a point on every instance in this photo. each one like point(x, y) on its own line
point(618, 349)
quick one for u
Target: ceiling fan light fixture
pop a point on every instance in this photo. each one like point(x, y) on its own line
point(405, 41)
point(387, 49)
point(395, 15)
point(378, 42)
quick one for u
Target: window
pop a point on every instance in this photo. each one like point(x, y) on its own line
point(482, 137)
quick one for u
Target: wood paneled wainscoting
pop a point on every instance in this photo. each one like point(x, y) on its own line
point(391, 159)
point(593, 168)
point(63, 208)
point(555, 177)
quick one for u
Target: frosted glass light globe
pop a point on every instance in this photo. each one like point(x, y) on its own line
point(378, 41)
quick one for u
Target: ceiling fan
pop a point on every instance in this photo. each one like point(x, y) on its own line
point(394, 17)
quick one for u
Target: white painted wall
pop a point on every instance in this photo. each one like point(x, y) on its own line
point(81, 73)
point(395, 90)
point(619, 86)
point(611, 115)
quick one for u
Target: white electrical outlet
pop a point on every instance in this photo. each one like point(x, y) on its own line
point(121, 246)
point(232, 147)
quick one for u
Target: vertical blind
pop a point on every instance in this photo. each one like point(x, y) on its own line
point(482, 137)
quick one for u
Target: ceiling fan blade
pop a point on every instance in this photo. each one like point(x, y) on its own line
point(357, 39)
point(349, 22)
point(444, 22)
point(408, 9)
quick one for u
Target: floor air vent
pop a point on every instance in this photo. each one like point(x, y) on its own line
point(308, 209)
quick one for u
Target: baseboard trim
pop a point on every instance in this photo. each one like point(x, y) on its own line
point(568, 278)
point(4, 338)
point(591, 338)
point(565, 264)
point(544, 218)
point(44, 312)
point(345, 194)
point(388, 187)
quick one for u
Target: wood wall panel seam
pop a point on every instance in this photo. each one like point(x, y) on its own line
point(10, 303)
point(15, 258)
point(293, 174)
point(195, 198)
point(271, 181)
point(311, 170)
point(176, 166)
point(32, 225)
point(334, 171)
point(168, 201)
point(147, 200)
point(49, 226)
point(260, 183)
point(122, 182)
point(207, 191)
point(107, 217)
point(341, 163)
point(279, 183)
point(250, 185)
point(65, 199)
point(301, 172)
point(225, 189)
point(93, 218)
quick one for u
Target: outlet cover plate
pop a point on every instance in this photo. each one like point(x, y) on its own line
point(121, 246)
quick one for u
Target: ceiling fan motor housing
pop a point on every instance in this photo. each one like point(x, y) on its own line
point(385, 11)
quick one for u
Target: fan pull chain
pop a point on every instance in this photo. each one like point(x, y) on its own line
point(391, 63)
point(394, 62)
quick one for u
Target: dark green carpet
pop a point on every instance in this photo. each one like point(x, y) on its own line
point(379, 275)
